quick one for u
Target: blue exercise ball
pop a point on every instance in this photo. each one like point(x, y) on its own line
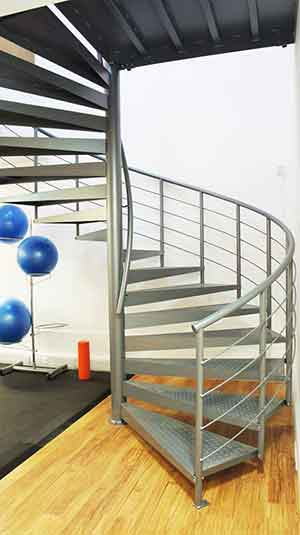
point(15, 321)
point(13, 223)
point(37, 256)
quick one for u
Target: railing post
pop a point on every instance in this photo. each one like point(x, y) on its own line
point(36, 163)
point(162, 222)
point(238, 252)
point(77, 204)
point(289, 333)
point(269, 271)
point(115, 267)
point(202, 259)
point(262, 371)
point(200, 389)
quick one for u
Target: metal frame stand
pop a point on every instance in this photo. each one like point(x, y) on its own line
point(115, 234)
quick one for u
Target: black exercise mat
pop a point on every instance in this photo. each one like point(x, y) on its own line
point(34, 410)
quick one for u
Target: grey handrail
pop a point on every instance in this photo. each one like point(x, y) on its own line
point(127, 262)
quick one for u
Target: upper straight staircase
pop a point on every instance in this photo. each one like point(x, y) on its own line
point(215, 276)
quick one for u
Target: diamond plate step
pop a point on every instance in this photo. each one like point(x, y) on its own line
point(215, 404)
point(15, 113)
point(85, 216)
point(24, 146)
point(175, 440)
point(145, 274)
point(186, 340)
point(17, 175)
point(182, 315)
point(220, 368)
point(65, 196)
point(171, 293)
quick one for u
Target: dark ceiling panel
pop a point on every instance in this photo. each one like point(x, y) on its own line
point(131, 33)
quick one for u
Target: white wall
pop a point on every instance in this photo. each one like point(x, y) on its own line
point(224, 123)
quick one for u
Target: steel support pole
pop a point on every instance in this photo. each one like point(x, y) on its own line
point(114, 225)
point(77, 184)
point(289, 333)
point(269, 271)
point(262, 374)
point(202, 259)
point(162, 222)
point(238, 252)
point(200, 389)
point(36, 186)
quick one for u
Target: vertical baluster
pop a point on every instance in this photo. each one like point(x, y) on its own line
point(238, 252)
point(162, 222)
point(202, 260)
point(77, 204)
point(262, 371)
point(200, 389)
point(269, 271)
point(289, 332)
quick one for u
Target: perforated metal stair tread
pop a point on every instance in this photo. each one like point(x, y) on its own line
point(94, 215)
point(175, 440)
point(58, 196)
point(182, 315)
point(98, 235)
point(144, 274)
point(24, 146)
point(171, 293)
point(220, 368)
point(186, 340)
point(18, 175)
point(215, 404)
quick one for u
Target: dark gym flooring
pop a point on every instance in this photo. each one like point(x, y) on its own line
point(33, 410)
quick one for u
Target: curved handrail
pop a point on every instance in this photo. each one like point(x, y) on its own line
point(249, 296)
point(127, 262)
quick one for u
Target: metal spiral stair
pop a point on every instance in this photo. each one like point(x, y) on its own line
point(163, 289)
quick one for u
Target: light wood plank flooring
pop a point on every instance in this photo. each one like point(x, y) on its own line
point(96, 479)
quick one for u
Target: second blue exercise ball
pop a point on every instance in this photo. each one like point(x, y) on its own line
point(13, 223)
point(15, 321)
point(37, 256)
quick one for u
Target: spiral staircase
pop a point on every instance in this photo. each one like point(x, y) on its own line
point(201, 286)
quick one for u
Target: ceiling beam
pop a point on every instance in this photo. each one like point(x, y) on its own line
point(126, 26)
point(211, 20)
point(168, 23)
point(254, 19)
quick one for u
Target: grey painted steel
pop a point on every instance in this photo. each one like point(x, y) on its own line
point(98, 235)
point(262, 372)
point(130, 232)
point(219, 368)
point(58, 196)
point(202, 239)
point(289, 333)
point(16, 175)
point(168, 23)
point(162, 223)
point(22, 75)
point(141, 254)
point(125, 26)
point(269, 270)
point(143, 274)
point(40, 116)
point(175, 440)
point(115, 248)
point(179, 315)
point(199, 421)
point(238, 252)
point(93, 215)
point(172, 293)
point(216, 404)
point(254, 19)
point(51, 373)
point(186, 340)
point(22, 146)
point(211, 20)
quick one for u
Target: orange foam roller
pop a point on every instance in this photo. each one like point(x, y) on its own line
point(84, 360)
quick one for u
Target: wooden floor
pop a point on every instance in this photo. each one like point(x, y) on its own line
point(96, 479)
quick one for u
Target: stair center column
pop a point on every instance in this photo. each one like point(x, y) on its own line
point(115, 266)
